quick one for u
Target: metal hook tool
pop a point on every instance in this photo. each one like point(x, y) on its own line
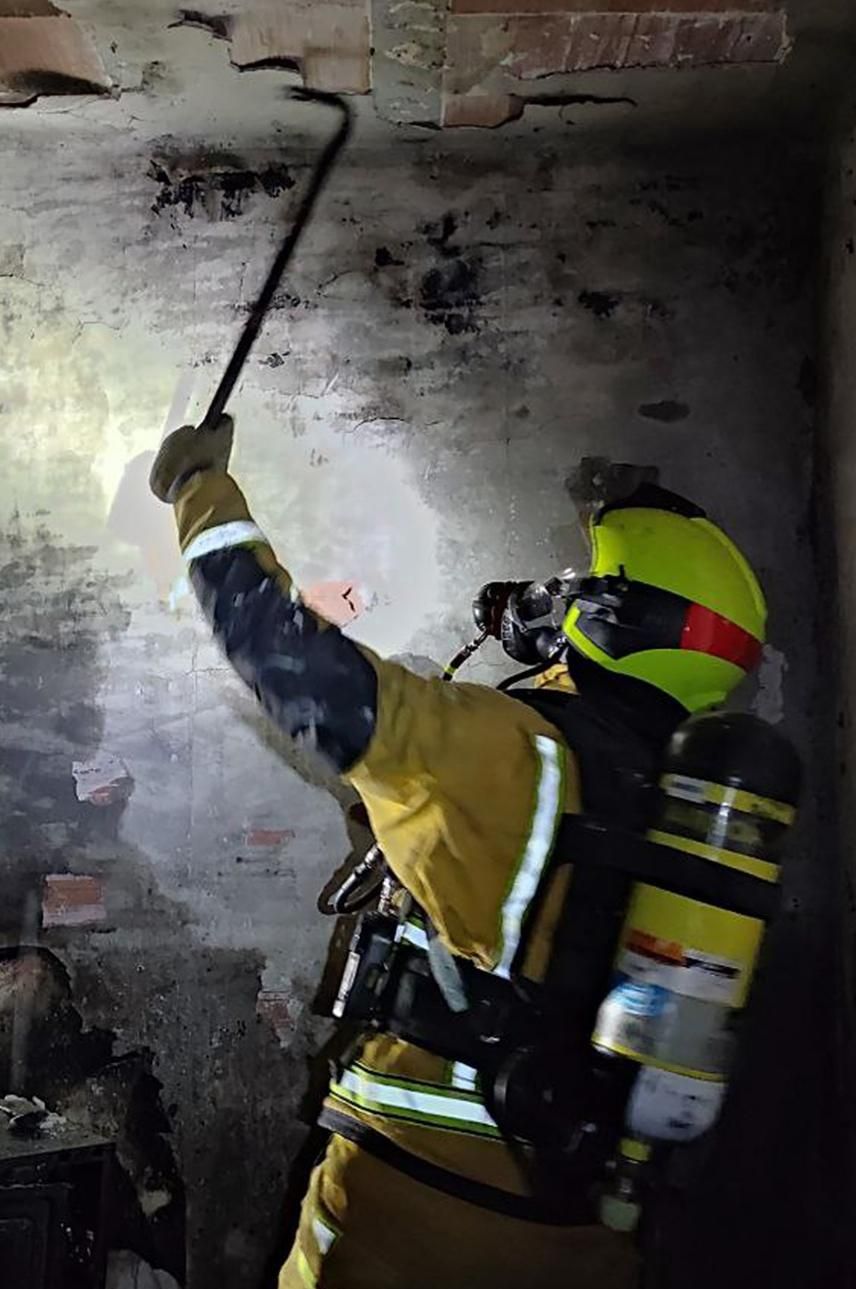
point(259, 310)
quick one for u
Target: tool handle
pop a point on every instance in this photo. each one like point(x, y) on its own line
point(253, 325)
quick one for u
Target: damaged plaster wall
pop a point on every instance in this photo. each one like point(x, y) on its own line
point(466, 321)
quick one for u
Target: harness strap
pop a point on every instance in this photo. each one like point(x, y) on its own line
point(586, 841)
point(525, 1208)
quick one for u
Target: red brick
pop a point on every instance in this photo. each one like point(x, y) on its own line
point(280, 1010)
point(56, 46)
point(485, 111)
point(541, 47)
point(615, 6)
point(329, 40)
point(72, 900)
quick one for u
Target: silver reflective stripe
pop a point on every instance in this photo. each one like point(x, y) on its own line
point(430, 1106)
point(548, 806)
point(413, 934)
point(464, 1076)
point(219, 538)
point(325, 1236)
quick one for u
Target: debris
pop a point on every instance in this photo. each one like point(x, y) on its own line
point(23, 1114)
point(102, 781)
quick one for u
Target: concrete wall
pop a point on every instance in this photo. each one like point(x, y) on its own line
point(468, 319)
point(837, 475)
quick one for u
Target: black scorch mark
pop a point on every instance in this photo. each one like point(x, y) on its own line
point(449, 293)
point(667, 410)
point(600, 303)
point(220, 193)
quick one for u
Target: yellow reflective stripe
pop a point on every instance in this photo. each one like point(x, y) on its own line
point(239, 532)
point(761, 868)
point(686, 788)
point(549, 798)
point(307, 1275)
point(406, 1100)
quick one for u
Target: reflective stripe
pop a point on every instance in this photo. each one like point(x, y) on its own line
point(464, 1076)
point(307, 1275)
point(415, 935)
point(325, 1236)
point(219, 538)
point(407, 1099)
point(686, 788)
point(548, 805)
point(764, 869)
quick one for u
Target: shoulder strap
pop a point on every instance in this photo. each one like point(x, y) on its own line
point(587, 842)
point(618, 767)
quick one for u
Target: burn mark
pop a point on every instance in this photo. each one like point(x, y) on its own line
point(218, 25)
point(449, 295)
point(78, 1073)
point(667, 410)
point(27, 86)
point(221, 193)
point(600, 303)
point(439, 235)
point(384, 258)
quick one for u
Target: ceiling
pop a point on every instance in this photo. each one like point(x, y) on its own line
point(452, 63)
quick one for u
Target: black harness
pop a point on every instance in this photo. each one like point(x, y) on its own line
point(530, 1042)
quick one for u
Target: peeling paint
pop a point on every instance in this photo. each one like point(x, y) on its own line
point(769, 702)
point(103, 781)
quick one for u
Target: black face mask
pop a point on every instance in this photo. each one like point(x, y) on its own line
point(531, 628)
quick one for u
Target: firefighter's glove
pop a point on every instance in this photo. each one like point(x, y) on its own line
point(188, 451)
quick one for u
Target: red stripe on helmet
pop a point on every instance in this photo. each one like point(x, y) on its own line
point(707, 632)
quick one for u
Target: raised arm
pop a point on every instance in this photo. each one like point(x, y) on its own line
point(310, 678)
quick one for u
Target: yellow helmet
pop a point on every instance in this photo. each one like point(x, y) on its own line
point(669, 600)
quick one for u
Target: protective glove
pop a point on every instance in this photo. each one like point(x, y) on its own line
point(186, 452)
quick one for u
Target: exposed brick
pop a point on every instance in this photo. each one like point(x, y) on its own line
point(38, 53)
point(530, 47)
point(72, 900)
point(281, 1010)
point(615, 6)
point(476, 47)
point(329, 41)
point(483, 110)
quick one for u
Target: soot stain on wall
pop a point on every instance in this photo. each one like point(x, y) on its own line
point(450, 293)
point(221, 193)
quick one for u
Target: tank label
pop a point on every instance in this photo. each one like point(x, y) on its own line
point(680, 969)
point(672, 1107)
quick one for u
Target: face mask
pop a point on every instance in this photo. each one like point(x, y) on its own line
point(531, 630)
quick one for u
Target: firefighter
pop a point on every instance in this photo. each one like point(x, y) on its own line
point(464, 787)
